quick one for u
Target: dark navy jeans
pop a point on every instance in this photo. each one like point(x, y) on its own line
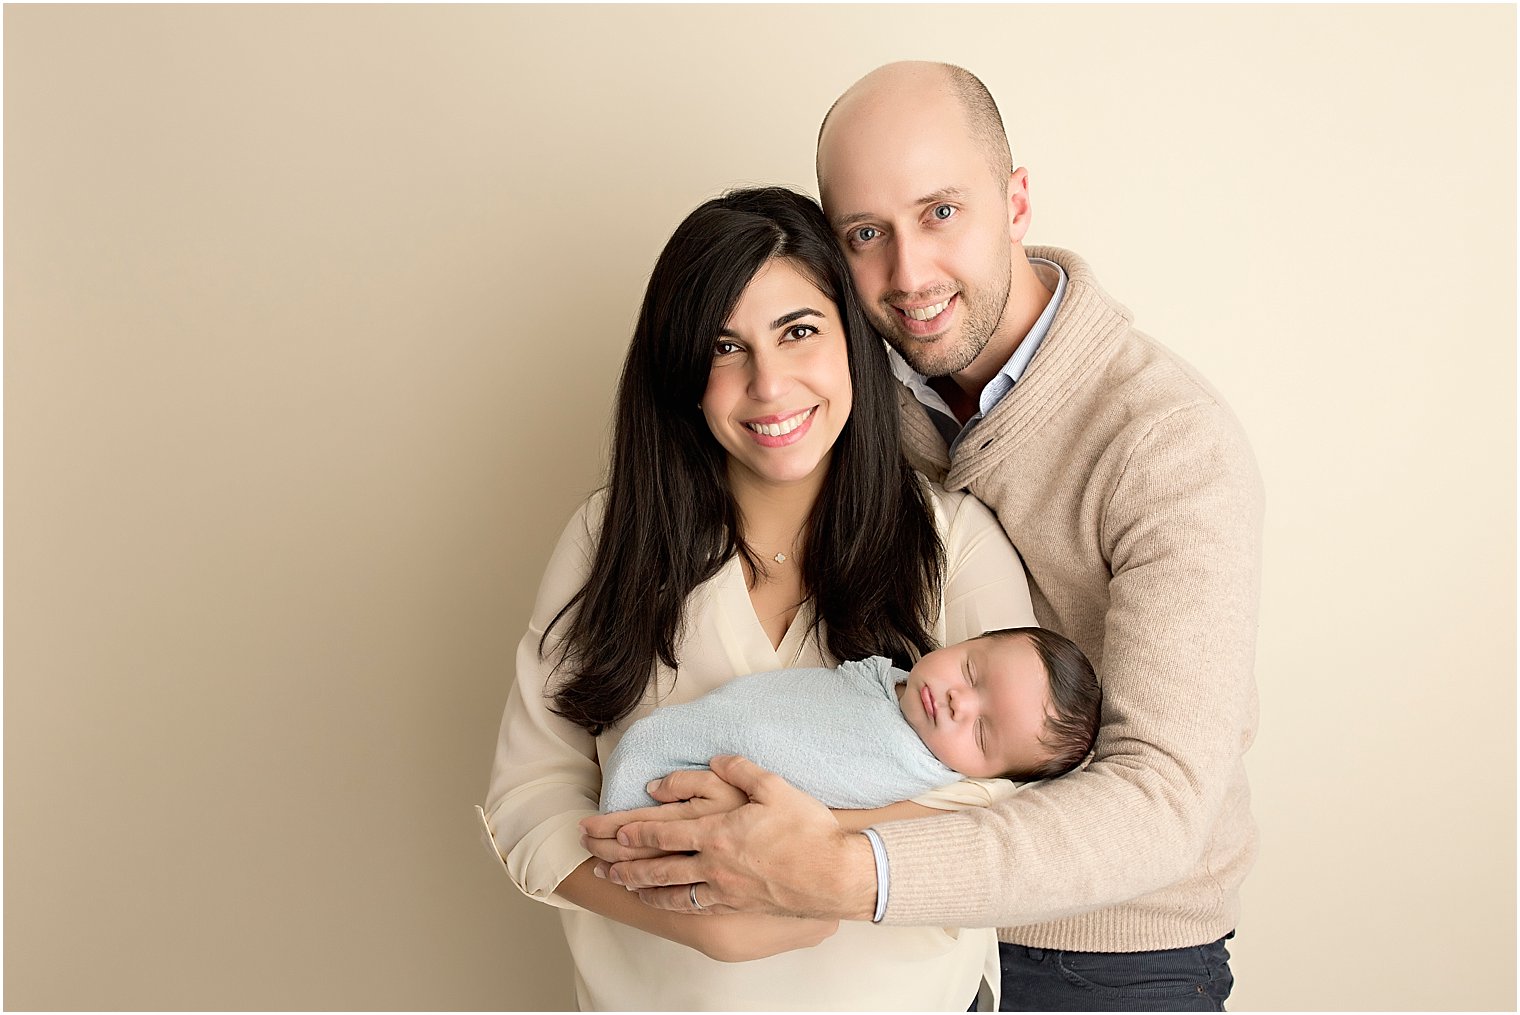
point(1177, 979)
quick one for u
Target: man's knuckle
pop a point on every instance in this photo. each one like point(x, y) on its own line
point(723, 840)
point(722, 882)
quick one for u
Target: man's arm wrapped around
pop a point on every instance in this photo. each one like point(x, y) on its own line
point(1181, 531)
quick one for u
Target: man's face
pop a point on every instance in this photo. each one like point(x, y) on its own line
point(926, 228)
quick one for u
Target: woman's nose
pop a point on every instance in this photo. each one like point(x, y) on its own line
point(768, 382)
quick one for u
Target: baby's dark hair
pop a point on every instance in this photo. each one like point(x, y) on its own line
point(1075, 701)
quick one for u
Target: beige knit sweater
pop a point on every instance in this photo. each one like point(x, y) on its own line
point(1130, 491)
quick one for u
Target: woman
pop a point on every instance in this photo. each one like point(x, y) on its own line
point(759, 514)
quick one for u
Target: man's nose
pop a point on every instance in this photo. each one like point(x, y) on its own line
point(910, 265)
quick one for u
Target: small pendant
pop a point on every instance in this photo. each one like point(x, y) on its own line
point(780, 558)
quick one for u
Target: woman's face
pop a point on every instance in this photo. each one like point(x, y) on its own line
point(779, 391)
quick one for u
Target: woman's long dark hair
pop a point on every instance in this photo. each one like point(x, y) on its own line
point(873, 563)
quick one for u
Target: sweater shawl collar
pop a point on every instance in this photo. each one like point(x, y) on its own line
point(1086, 331)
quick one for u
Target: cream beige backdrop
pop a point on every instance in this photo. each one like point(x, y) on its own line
point(313, 317)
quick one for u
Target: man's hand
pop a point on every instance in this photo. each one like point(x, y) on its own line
point(782, 852)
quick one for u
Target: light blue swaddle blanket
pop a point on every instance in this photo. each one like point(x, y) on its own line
point(836, 734)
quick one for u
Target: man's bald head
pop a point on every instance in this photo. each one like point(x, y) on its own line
point(912, 77)
point(920, 189)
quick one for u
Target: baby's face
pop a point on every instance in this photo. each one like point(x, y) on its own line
point(980, 706)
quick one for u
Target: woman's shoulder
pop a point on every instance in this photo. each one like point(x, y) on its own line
point(585, 523)
point(570, 561)
point(955, 509)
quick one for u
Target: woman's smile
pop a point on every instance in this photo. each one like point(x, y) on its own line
point(778, 393)
point(782, 429)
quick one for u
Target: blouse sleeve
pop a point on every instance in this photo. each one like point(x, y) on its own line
point(985, 585)
point(985, 590)
point(545, 778)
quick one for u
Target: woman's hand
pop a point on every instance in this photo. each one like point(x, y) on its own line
point(687, 794)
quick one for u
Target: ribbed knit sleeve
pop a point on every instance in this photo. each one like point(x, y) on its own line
point(1182, 529)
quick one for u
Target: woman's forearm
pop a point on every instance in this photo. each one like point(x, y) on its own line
point(735, 937)
point(855, 821)
point(614, 902)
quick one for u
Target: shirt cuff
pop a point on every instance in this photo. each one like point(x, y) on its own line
point(879, 853)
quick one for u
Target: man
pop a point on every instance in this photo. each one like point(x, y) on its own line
point(1131, 493)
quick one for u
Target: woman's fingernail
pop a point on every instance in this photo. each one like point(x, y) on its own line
point(623, 838)
point(651, 786)
point(597, 870)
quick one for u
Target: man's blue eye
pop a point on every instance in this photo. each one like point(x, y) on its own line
point(943, 211)
point(866, 234)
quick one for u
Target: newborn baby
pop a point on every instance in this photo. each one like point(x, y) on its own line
point(1019, 704)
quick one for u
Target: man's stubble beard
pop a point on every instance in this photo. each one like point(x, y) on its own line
point(983, 313)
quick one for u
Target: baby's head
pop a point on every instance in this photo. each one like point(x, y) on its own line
point(1020, 703)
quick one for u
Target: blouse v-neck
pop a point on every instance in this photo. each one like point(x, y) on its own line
point(749, 647)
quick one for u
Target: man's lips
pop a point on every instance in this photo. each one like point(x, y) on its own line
point(930, 709)
point(926, 311)
point(927, 318)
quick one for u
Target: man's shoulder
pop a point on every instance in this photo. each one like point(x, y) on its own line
point(1148, 383)
point(1096, 322)
point(1169, 427)
point(1145, 381)
point(1144, 409)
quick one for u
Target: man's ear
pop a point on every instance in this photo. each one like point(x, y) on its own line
point(1018, 204)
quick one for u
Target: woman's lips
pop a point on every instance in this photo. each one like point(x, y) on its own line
point(792, 436)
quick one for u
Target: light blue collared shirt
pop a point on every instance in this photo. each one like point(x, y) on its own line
point(997, 389)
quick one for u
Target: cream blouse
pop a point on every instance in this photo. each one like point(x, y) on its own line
point(547, 776)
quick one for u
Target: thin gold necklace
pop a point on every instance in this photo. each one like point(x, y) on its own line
point(790, 552)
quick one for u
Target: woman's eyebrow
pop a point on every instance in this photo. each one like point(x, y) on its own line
point(780, 322)
point(795, 315)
